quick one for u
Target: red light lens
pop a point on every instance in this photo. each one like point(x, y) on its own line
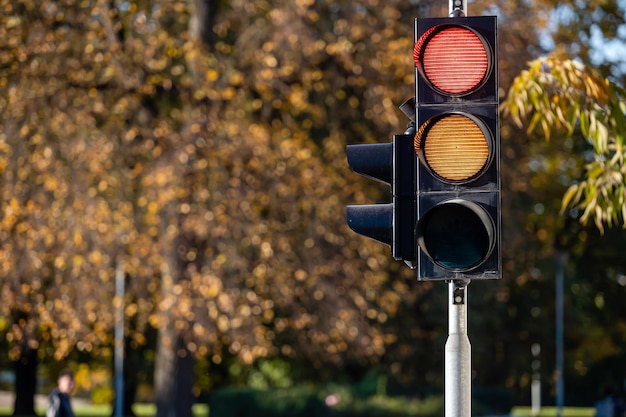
point(454, 59)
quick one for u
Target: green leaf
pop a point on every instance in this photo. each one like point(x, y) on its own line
point(584, 123)
point(571, 197)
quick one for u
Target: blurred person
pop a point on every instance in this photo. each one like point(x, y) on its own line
point(602, 407)
point(612, 405)
point(60, 405)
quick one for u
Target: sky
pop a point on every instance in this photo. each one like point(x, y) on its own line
point(604, 50)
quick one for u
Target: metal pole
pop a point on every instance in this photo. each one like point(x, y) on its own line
point(119, 340)
point(458, 372)
point(535, 385)
point(458, 8)
point(458, 350)
point(560, 389)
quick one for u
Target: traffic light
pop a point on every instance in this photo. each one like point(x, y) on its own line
point(457, 143)
point(392, 223)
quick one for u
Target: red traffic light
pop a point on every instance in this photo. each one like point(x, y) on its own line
point(454, 59)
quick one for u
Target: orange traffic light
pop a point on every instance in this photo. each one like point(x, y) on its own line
point(456, 147)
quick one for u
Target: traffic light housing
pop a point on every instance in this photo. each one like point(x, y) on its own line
point(392, 223)
point(457, 144)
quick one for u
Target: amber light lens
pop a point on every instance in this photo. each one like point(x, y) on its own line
point(454, 59)
point(454, 147)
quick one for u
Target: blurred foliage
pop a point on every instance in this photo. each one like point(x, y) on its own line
point(311, 401)
point(566, 97)
point(346, 401)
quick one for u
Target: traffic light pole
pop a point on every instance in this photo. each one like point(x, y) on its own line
point(458, 369)
point(458, 350)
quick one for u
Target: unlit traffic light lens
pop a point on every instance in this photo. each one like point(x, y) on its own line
point(455, 147)
point(453, 59)
point(458, 235)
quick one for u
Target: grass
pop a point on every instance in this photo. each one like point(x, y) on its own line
point(201, 410)
point(140, 409)
point(551, 412)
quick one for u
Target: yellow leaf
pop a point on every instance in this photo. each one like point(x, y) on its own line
point(212, 75)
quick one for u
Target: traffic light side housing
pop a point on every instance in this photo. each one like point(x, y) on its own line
point(373, 161)
point(393, 224)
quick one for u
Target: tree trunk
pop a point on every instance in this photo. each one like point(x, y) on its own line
point(173, 379)
point(132, 363)
point(185, 379)
point(25, 370)
point(131, 382)
point(202, 20)
point(173, 373)
point(25, 383)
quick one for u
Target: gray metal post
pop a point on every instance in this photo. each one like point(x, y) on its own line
point(560, 388)
point(119, 340)
point(458, 352)
point(535, 385)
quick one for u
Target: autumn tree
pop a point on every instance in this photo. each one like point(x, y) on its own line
point(128, 139)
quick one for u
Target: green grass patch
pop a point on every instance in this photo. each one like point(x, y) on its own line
point(140, 409)
point(378, 405)
point(551, 412)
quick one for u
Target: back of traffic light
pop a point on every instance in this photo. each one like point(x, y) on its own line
point(458, 145)
point(392, 223)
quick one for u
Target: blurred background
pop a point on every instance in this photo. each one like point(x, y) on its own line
point(184, 162)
